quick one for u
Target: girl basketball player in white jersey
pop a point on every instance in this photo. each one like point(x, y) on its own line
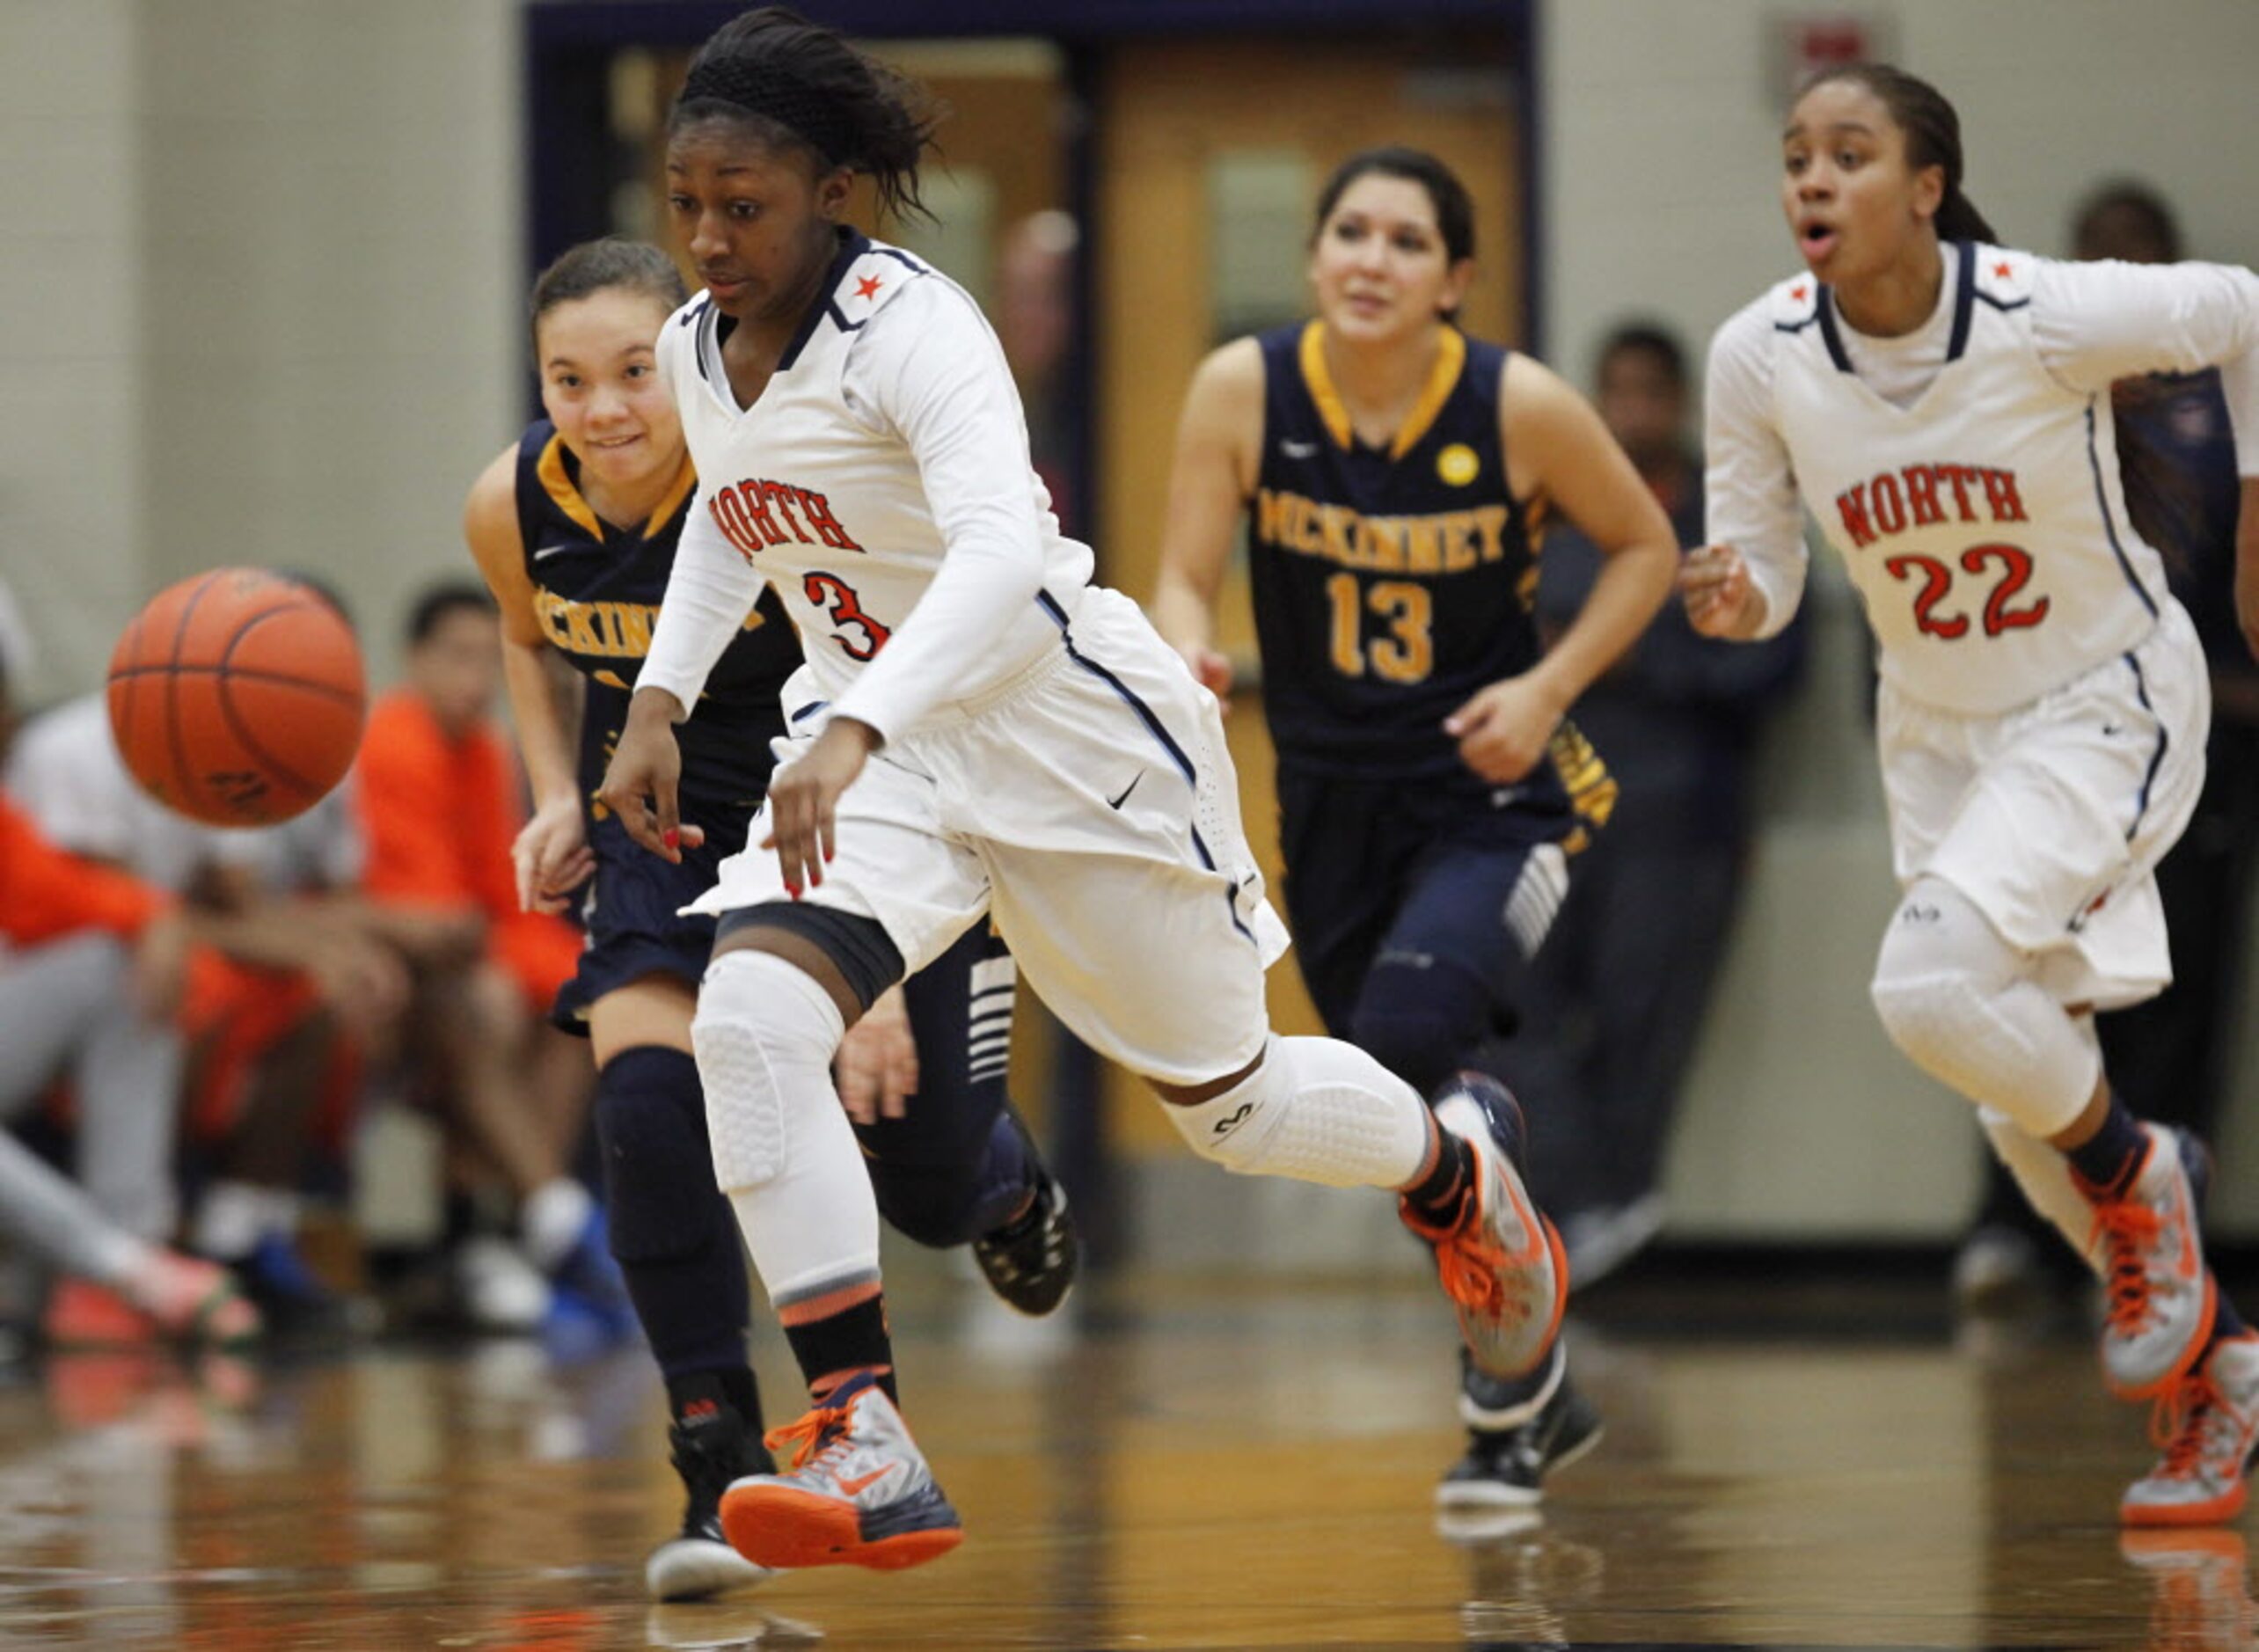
point(1942, 404)
point(979, 732)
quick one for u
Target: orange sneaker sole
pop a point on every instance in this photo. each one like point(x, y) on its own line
point(2197, 1346)
point(2218, 1512)
point(781, 1526)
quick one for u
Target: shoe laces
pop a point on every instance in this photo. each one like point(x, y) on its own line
point(2130, 1229)
point(823, 1431)
point(2187, 1417)
point(1469, 1261)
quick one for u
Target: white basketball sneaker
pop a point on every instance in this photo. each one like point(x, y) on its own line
point(858, 1492)
point(1501, 1262)
point(2208, 1426)
point(2161, 1294)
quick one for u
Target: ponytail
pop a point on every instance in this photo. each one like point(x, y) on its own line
point(1957, 220)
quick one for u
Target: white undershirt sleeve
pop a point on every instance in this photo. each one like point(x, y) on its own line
point(1749, 484)
point(712, 589)
point(2092, 323)
point(928, 367)
point(711, 586)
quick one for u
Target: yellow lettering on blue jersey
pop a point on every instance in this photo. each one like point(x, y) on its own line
point(1431, 542)
point(604, 630)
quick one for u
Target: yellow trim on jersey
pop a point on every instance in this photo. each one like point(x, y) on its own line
point(558, 484)
point(563, 491)
point(1451, 360)
point(685, 482)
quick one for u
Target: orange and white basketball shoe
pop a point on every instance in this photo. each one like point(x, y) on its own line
point(858, 1493)
point(2161, 1294)
point(2208, 1426)
point(1501, 1262)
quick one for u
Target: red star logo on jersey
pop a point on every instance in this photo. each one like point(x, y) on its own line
point(2002, 270)
point(1796, 293)
point(867, 286)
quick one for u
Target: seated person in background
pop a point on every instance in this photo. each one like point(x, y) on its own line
point(92, 964)
point(440, 804)
point(274, 988)
point(1618, 994)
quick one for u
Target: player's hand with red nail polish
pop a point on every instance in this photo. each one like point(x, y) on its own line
point(804, 797)
point(647, 767)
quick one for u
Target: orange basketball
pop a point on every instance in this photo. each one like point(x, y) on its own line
point(237, 697)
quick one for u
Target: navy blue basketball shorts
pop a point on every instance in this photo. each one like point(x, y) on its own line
point(631, 915)
point(1437, 875)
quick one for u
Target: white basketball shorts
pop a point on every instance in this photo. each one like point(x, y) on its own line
point(2052, 817)
point(1090, 807)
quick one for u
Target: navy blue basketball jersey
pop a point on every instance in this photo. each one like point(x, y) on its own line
point(1391, 584)
point(596, 591)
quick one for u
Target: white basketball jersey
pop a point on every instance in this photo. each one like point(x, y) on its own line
point(1983, 524)
point(821, 492)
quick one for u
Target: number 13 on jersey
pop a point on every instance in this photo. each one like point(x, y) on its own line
point(1405, 649)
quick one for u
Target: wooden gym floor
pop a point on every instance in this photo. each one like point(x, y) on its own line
point(1200, 1467)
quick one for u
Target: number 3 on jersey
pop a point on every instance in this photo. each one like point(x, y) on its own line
point(2014, 566)
point(1406, 653)
point(837, 598)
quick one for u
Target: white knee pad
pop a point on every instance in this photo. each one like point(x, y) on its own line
point(1961, 1003)
point(1315, 1110)
point(764, 1034)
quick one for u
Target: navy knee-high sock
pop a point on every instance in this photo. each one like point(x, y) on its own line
point(672, 1230)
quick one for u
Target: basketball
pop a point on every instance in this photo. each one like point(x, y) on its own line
point(237, 697)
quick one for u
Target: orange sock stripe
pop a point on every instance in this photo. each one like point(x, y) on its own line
point(821, 1388)
point(810, 1310)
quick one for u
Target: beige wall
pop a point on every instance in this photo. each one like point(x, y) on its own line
point(259, 296)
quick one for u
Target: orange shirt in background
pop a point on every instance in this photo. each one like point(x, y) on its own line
point(47, 893)
point(440, 815)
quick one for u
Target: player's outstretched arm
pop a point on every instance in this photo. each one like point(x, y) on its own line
point(1560, 453)
point(1209, 482)
point(642, 780)
point(551, 854)
point(803, 806)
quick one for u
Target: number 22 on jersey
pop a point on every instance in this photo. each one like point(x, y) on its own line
point(1405, 651)
point(2013, 565)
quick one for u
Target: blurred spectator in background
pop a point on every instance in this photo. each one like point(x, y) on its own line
point(440, 802)
point(92, 963)
point(1619, 991)
point(1035, 312)
point(268, 996)
point(2167, 1056)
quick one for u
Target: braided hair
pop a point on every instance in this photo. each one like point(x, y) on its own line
point(800, 84)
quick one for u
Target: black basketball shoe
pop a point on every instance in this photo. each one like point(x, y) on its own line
point(710, 1450)
point(1031, 1261)
point(1518, 1431)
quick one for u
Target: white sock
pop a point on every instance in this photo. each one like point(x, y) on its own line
point(234, 1215)
point(1316, 1110)
point(553, 1219)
